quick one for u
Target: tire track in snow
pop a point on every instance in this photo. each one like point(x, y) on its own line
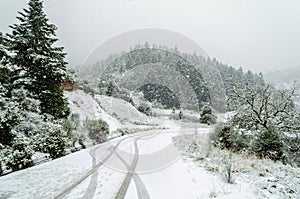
point(94, 169)
point(141, 189)
point(140, 186)
point(91, 190)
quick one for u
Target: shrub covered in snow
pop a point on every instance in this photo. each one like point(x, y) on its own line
point(144, 108)
point(221, 136)
point(74, 131)
point(52, 140)
point(97, 130)
point(207, 115)
point(226, 137)
point(19, 155)
point(265, 144)
point(269, 143)
point(24, 130)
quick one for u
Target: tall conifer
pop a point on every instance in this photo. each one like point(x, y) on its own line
point(31, 47)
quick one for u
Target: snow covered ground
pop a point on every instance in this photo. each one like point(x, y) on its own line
point(43, 180)
point(79, 175)
point(173, 160)
point(122, 110)
point(119, 114)
point(160, 171)
point(252, 177)
point(85, 105)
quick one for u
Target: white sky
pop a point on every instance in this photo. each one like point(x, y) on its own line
point(262, 35)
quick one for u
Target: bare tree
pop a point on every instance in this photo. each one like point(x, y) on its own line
point(255, 110)
point(267, 111)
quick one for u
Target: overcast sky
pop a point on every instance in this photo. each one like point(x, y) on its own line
point(262, 35)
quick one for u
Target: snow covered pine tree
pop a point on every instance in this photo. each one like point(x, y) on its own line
point(31, 47)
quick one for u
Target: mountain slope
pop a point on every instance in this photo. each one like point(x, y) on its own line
point(83, 104)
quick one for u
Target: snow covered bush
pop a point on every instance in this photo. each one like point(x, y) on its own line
point(226, 137)
point(52, 140)
point(97, 130)
point(240, 140)
point(71, 125)
point(292, 146)
point(269, 144)
point(30, 120)
point(221, 136)
point(19, 155)
point(22, 125)
point(73, 129)
point(8, 117)
point(110, 89)
point(207, 115)
point(144, 108)
point(265, 144)
point(20, 115)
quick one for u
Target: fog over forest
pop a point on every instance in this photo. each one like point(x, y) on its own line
point(257, 35)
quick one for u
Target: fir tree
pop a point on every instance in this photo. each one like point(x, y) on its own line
point(207, 115)
point(31, 47)
point(110, 89)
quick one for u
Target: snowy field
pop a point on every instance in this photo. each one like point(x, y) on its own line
point(252, 177)
point(181, 174)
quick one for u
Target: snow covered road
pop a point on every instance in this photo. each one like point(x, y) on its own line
point(143, 165)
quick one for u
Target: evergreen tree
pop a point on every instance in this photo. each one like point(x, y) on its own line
point(31, 48)
point(207, 115)
point(110, 89)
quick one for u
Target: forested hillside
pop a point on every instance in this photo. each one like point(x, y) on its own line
point(193, 67)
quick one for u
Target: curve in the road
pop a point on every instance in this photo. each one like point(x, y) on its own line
point(141, 189)
point(140, 186)
point(69, 188)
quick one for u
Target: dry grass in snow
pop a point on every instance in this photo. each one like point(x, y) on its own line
point(251, 177)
